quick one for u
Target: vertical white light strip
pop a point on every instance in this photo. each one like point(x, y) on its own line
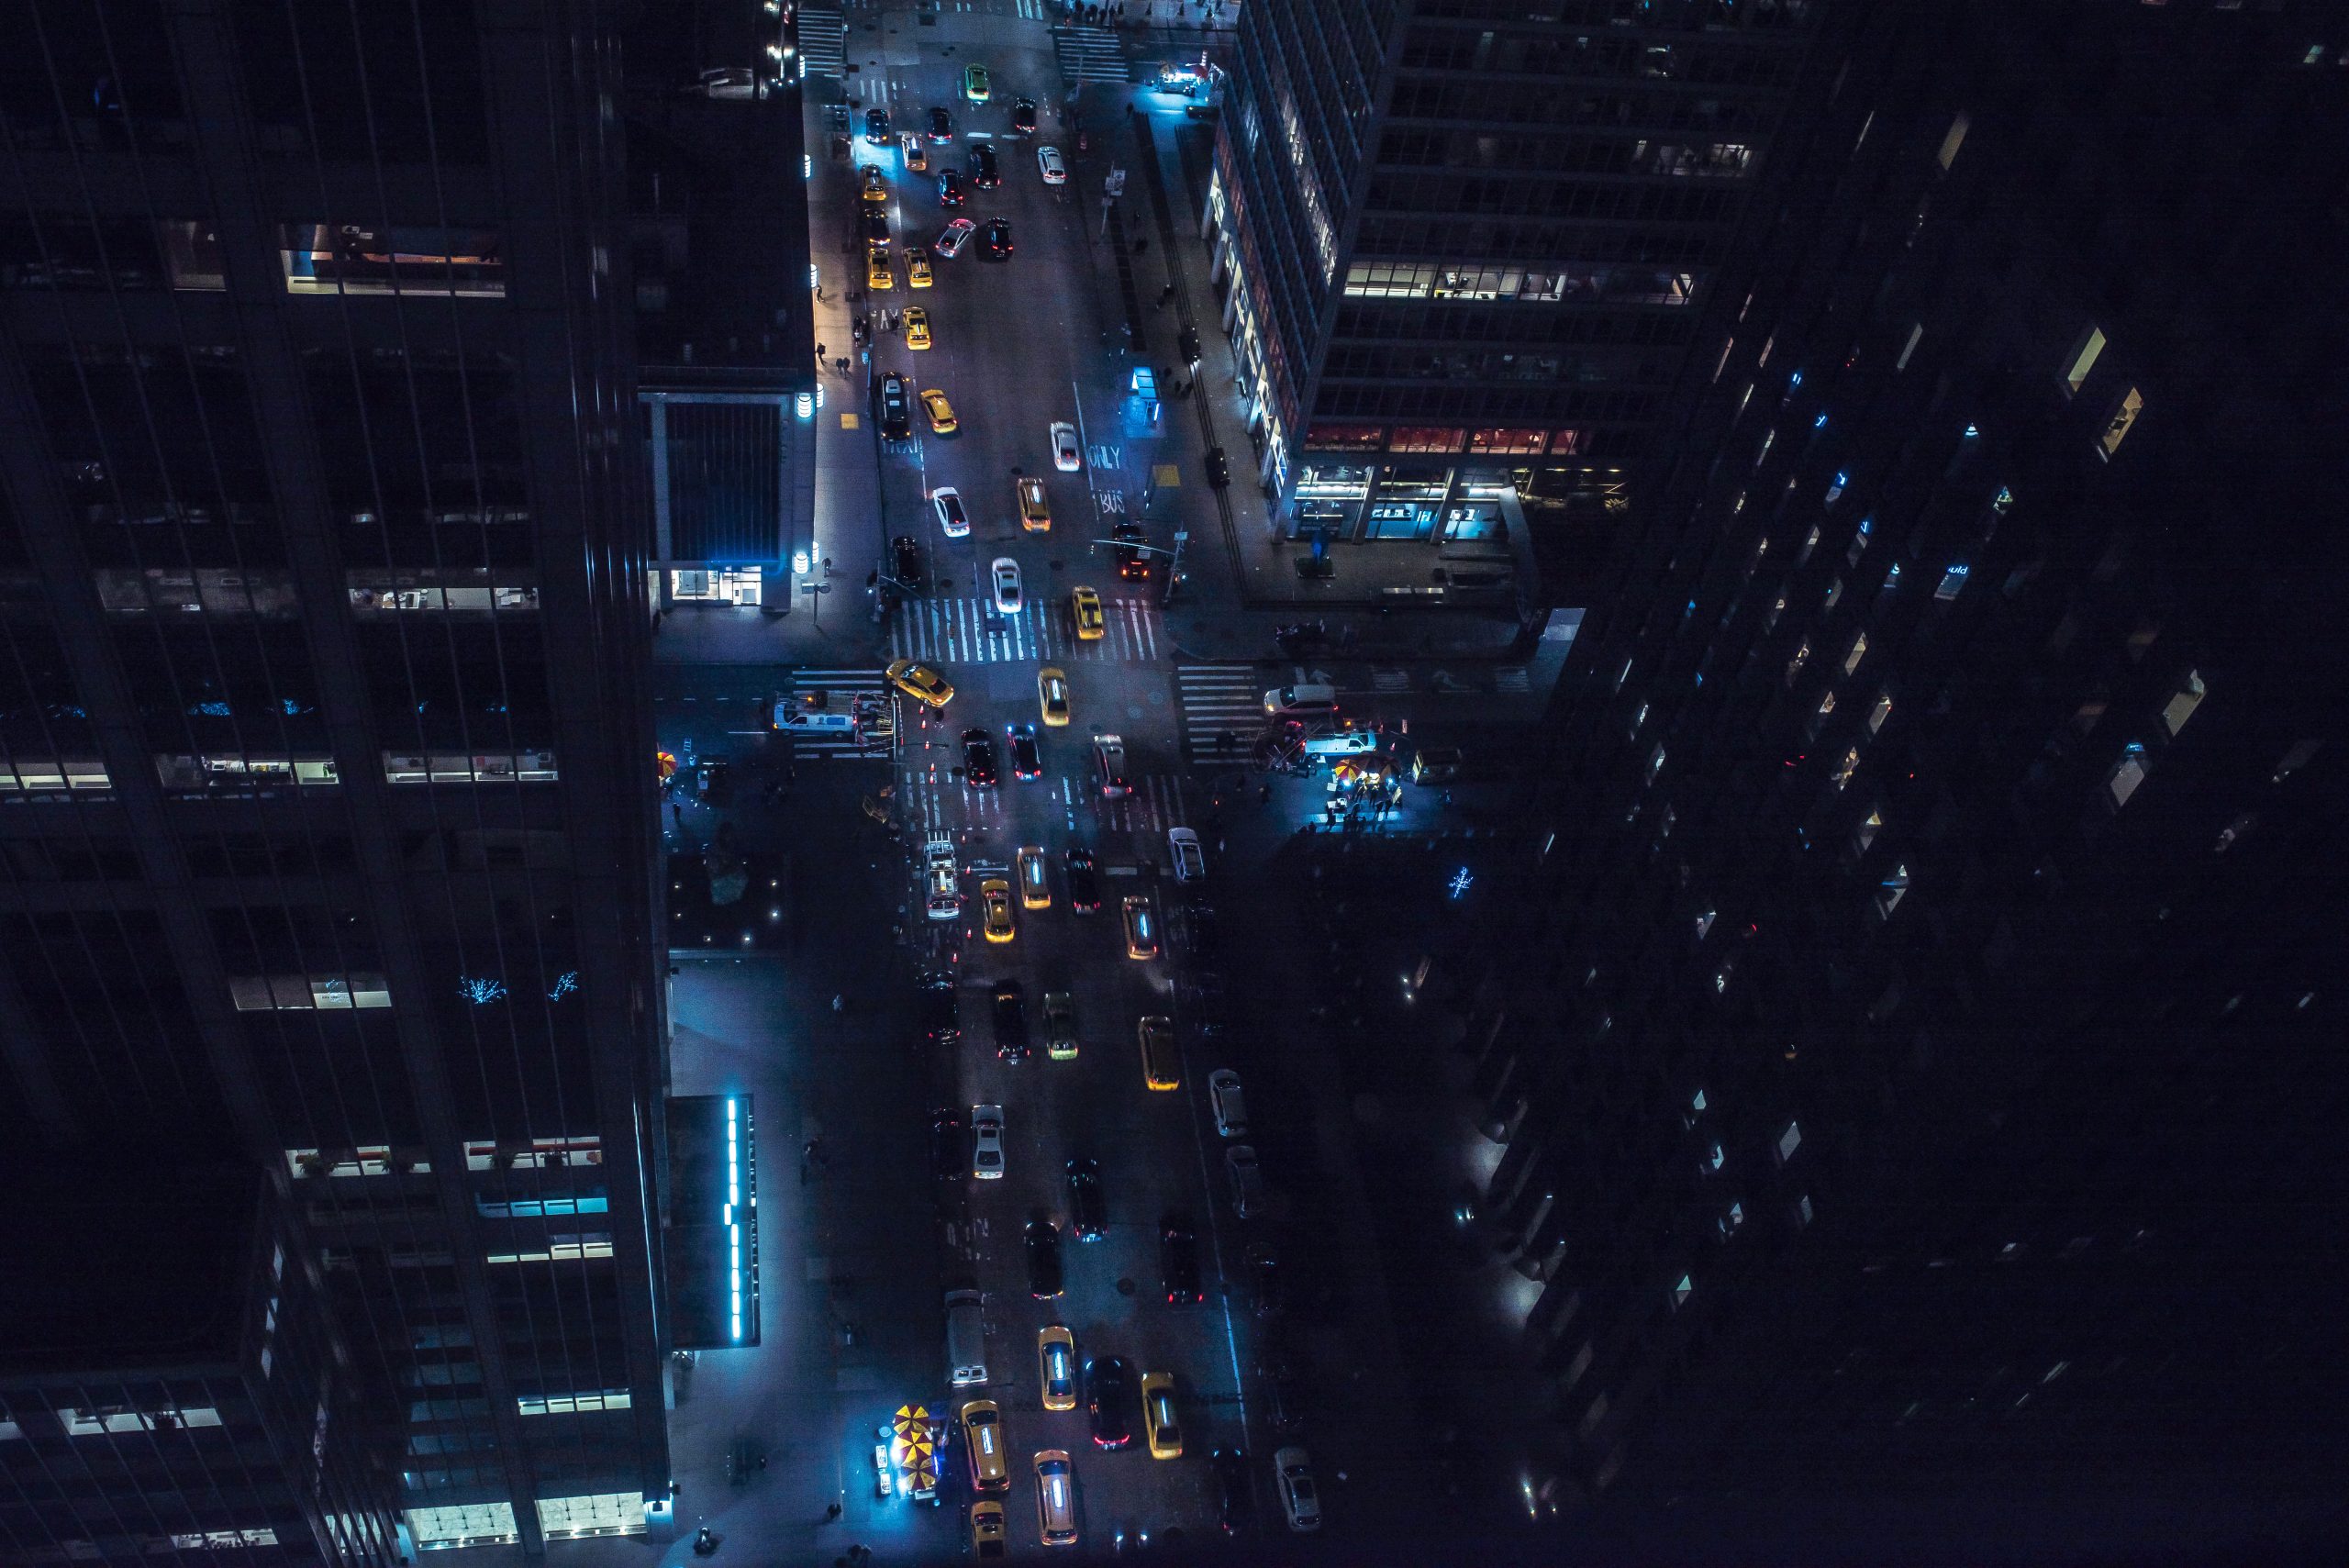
point(733, 1216)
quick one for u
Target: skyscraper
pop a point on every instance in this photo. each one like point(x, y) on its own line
point(1916, 1118)
point(327, 759)
point(1470, 244)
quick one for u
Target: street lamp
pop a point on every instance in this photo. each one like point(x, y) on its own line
point(817, 591)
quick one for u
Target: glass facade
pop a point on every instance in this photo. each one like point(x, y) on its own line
point(322, 619)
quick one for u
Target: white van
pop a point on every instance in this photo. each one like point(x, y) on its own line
point(966, 1339)
point(1300, 702)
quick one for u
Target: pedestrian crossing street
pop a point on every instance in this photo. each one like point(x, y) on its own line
point(968, 631)
point(1221, 708)
point(862, 682)
point(933, 801)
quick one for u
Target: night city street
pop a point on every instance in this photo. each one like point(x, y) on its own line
point(1247, 782)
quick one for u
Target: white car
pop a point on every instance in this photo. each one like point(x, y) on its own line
point(1225, 1100)
point(1048, 160)
point(1247, 1180)
point(1294, 1474)
point(945, 879)
point(948, 503)
point(1066, 455)
point(956, 235)
point(1004, 572)
point(1190, 860)
point(986, 1143)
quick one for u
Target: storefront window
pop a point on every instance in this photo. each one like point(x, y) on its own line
point(342, 259)
point(1428, 439)
point(725, 584)
point(1567, 443)
point(1510, 443)
point(1334, 481)
point(1402, 519)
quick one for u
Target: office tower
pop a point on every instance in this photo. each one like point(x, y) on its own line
point(329, 765)
point(173, 1387)
point(1469, 245)
point(1914, 1074)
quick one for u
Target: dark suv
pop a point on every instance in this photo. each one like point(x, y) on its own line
point(1088, 1214)
point(984, 172)
point(1010, 1020)
point(1109, 1398)
point(937, 1015)
point(1178, 1259)
point(896, 407)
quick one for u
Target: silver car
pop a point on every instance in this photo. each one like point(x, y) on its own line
point(986, 1142)
point(1292, 1472)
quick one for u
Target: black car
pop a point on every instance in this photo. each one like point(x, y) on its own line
point(1265, 1279)
point(896, 407)
point(1218, 470)
point(1043, 1258)
point(950, 189)
point(1133, 565)
point(941, 126)
point(1089, 1213)
point(984, 173)
point(1235, 1500)
point(949, 1146)
point(1010, 1020)
point(1109, 1399)
point(938, 1013)
point(1026, 762)
point(1202, 929)
point(978, 760)
point(994, 238)
point(905, 560)
point(876, 126)
point(1283, 1396)
point(1178, 1259)
point(1083, 887)
point(1023, 114)
point(875, 222)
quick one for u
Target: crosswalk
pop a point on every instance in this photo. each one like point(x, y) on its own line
point(934, 801)
point(823, 41)
point(1221, 708)
point(841, 685)
point(968, 631)
point(1091, 54)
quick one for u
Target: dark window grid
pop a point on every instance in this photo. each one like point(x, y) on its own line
point(81, 69)
point(190, 1466)
point(78, 963)
point(401, 306)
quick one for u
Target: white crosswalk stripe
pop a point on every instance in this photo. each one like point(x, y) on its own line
point(823, 41)
point(968, 631)
point(932, 800)
point(863, 681)
point(1091, 54)
point(1217, 701)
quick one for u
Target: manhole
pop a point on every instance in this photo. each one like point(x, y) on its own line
point(1124, 1287)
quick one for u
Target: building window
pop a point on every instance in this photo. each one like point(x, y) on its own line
point(1390, 280)
point(2083, 359)
point(1682, 1292)
point(1795, 664)
point(1777, 609)
point(1722, 364)
point(300, 994)
point(1705, 925)
point(1952, 584)
point(1847, 767)
point(1834, 593)
point(1882, 711)
point(1916, 336)
point(1826, 706)
point(2181, 705)
point(1624, 675)
point(1859, 651)
point(2116, 430)
point(2126, 774)
point(1865, 834)
point(1891, 891)
point(1509, 443)
point(1789, 1140)
point(1769, 437)
point(568, 1404)
point(1321, 436)
point(1955, 140)
point(341, 259)
point(1656, 762)
point(1428, 439)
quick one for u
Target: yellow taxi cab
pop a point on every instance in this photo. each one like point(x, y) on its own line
point(916, 155)
point(1052, 695)
point(1159, 1423)
point(1085, 604)
point(917, 326)
point(988, 1542)
point(1142, 928)
point(1035, 893)
point(876, 188)
point(1034, 515)
point(995, 897)
point(983, 1446)
point(919, 682)
point(1055, 1497)
point(1056, 1366)
point(941, 412)
point(877, 269)
point(917, 268)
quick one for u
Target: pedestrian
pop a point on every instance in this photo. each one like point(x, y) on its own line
point(1166, 294)
point(840, 1002)
point(831, 1513)
point(820, 353)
